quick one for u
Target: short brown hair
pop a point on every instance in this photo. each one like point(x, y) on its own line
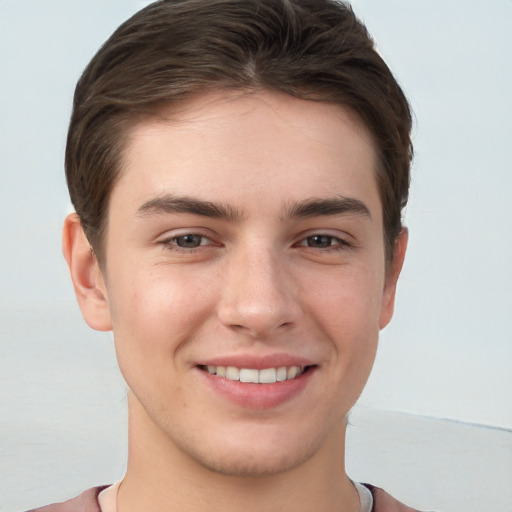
point(311, 49)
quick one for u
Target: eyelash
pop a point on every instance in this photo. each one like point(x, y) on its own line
point(334, 243)
point(172, 243)
point(339, 243)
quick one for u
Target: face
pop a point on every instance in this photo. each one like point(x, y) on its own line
point(245, 277)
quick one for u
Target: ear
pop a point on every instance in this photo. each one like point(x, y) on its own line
point(388, 295)
point(86, 275)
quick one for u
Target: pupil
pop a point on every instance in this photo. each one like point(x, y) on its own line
point(320, 241)
point(189, 241)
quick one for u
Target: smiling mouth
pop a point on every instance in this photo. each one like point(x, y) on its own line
point(255, 376)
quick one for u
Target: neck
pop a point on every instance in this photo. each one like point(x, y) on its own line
point(162, 478)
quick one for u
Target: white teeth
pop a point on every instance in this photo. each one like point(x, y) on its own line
point(292, 372)
point(281, 374)
point(248, 375)
point(267, 376)
point(264, 376)
point(232, 373)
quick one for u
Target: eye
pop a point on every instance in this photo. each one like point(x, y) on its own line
point(187, 241)
point(323, 242)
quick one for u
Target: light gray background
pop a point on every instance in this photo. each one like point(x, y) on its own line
point(447, 353)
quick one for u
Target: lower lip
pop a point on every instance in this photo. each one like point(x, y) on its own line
point(258, 396)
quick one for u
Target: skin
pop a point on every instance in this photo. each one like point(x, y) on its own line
point(263, 281)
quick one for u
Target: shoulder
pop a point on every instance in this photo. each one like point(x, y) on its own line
point(86, 502)
point(383, 502)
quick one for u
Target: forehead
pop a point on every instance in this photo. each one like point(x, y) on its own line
point(230, 145)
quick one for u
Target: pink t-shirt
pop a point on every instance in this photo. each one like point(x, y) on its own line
point(108, 498)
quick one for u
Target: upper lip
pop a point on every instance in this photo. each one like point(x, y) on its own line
point(259, 362)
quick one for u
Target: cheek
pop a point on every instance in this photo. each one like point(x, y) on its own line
point(153, 313)
point(347, 313)
point(152, 318)
point(347, 303)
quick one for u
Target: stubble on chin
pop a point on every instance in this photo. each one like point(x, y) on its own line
point(250, 465)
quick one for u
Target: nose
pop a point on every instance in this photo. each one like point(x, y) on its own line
point(258, 294)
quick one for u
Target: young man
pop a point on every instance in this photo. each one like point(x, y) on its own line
point(238, 170)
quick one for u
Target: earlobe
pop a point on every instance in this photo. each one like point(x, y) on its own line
point(388, 296)
point(86, 275)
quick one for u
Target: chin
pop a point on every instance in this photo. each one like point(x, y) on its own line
point(253, 464)
point(252, 456)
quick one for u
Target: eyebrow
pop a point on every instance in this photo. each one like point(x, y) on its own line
point(308, 208)
point(332, 206)
point(183, 204)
